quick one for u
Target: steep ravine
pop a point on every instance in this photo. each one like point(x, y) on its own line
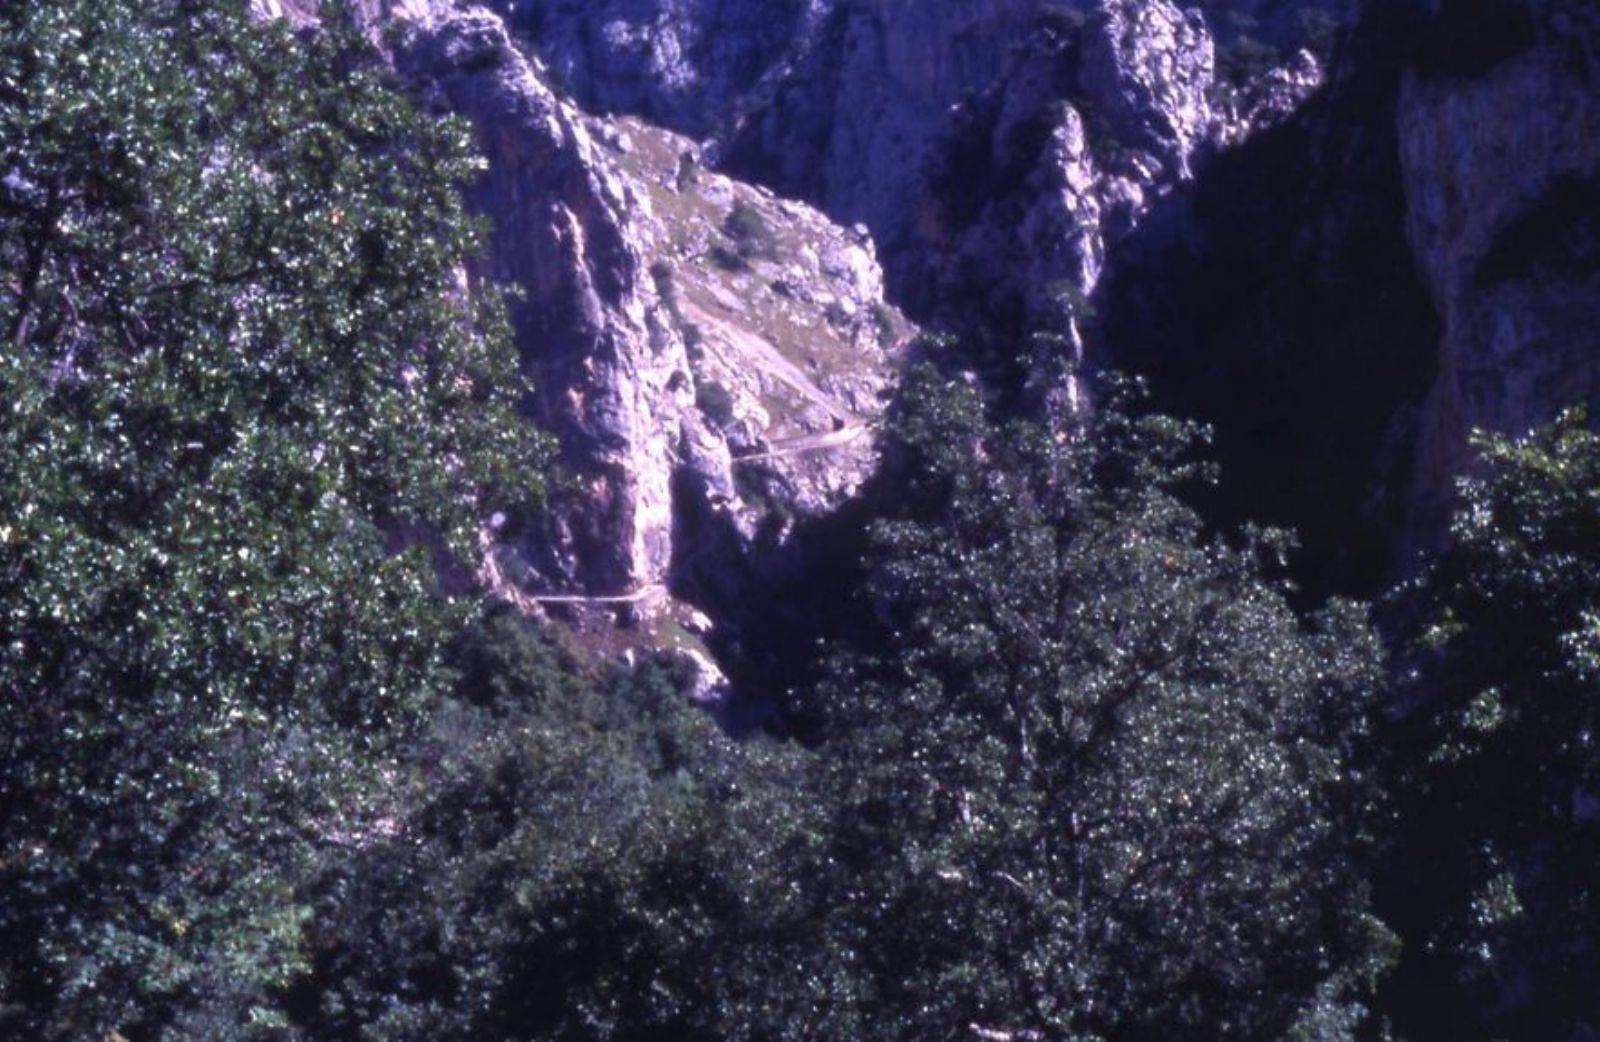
point(1344, 271)
point(1277, 297)
point(1410, 257)
point(1344, 289)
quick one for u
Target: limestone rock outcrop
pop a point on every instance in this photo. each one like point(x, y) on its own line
point(870, 109)
point(689, 336)
point(699, 347)
point(1085, 128)
point(1345, 269)
point(837, 101)
point(597, 343)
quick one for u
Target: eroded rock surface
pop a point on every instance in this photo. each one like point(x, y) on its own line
point(1346, 272)
point(837, 100)
point(699, 347)
point(698, 339)
point(692, 337)
point(871, 109)
point(712, 356)
point(1502, 177)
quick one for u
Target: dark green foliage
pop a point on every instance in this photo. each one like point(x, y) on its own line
point(715, 401)
point(589, 859)
point(1095, 784)
point(1080, 774)
point(1089, 781)
point(664, 275)
point(1498, 772)
point(751, 234)
point(235, 344)
point(688, 173)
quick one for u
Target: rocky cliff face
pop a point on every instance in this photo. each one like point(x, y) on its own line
point(1343, 275)
point(1501, 166)
point(700, 347)
point(598, 343)
point(839, 101)
point(710, 357)
point(1029, 182)
point(1407, 257)
point(990, 146)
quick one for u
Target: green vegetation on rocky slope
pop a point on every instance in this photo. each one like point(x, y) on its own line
point(1075, 768)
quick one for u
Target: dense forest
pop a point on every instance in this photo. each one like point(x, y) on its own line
point(1076, 763)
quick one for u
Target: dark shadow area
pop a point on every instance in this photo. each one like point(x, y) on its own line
point(1558, 238)
point(1465, 39)
point(774, 603)
point(1275, 298)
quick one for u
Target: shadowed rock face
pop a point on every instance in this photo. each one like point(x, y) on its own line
point(1032, 180)
point(1411, 256)
point(1277, 298)
point(710, 356)
point(1502, 180)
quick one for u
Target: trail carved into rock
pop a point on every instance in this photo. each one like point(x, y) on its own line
point(805, 443)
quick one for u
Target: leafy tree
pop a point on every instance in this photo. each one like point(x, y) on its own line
point(1493, 877)
point(1093, 775)
point(1090, 779)
point(237, 349)
point(588, 859)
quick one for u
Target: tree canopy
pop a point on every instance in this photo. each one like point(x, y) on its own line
point(1496, 770)
point(1094, 779)
point(1085, 776)
point(239, 349)
point(1078, 770)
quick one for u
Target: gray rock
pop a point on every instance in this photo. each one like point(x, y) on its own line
point(830, 100)
point(997, 155)
point(1501, 173)
point(853, 104)
point(1148, 66)
point(707, 685)
point(593, 332)
point(668, 348)
point(1041, 177)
